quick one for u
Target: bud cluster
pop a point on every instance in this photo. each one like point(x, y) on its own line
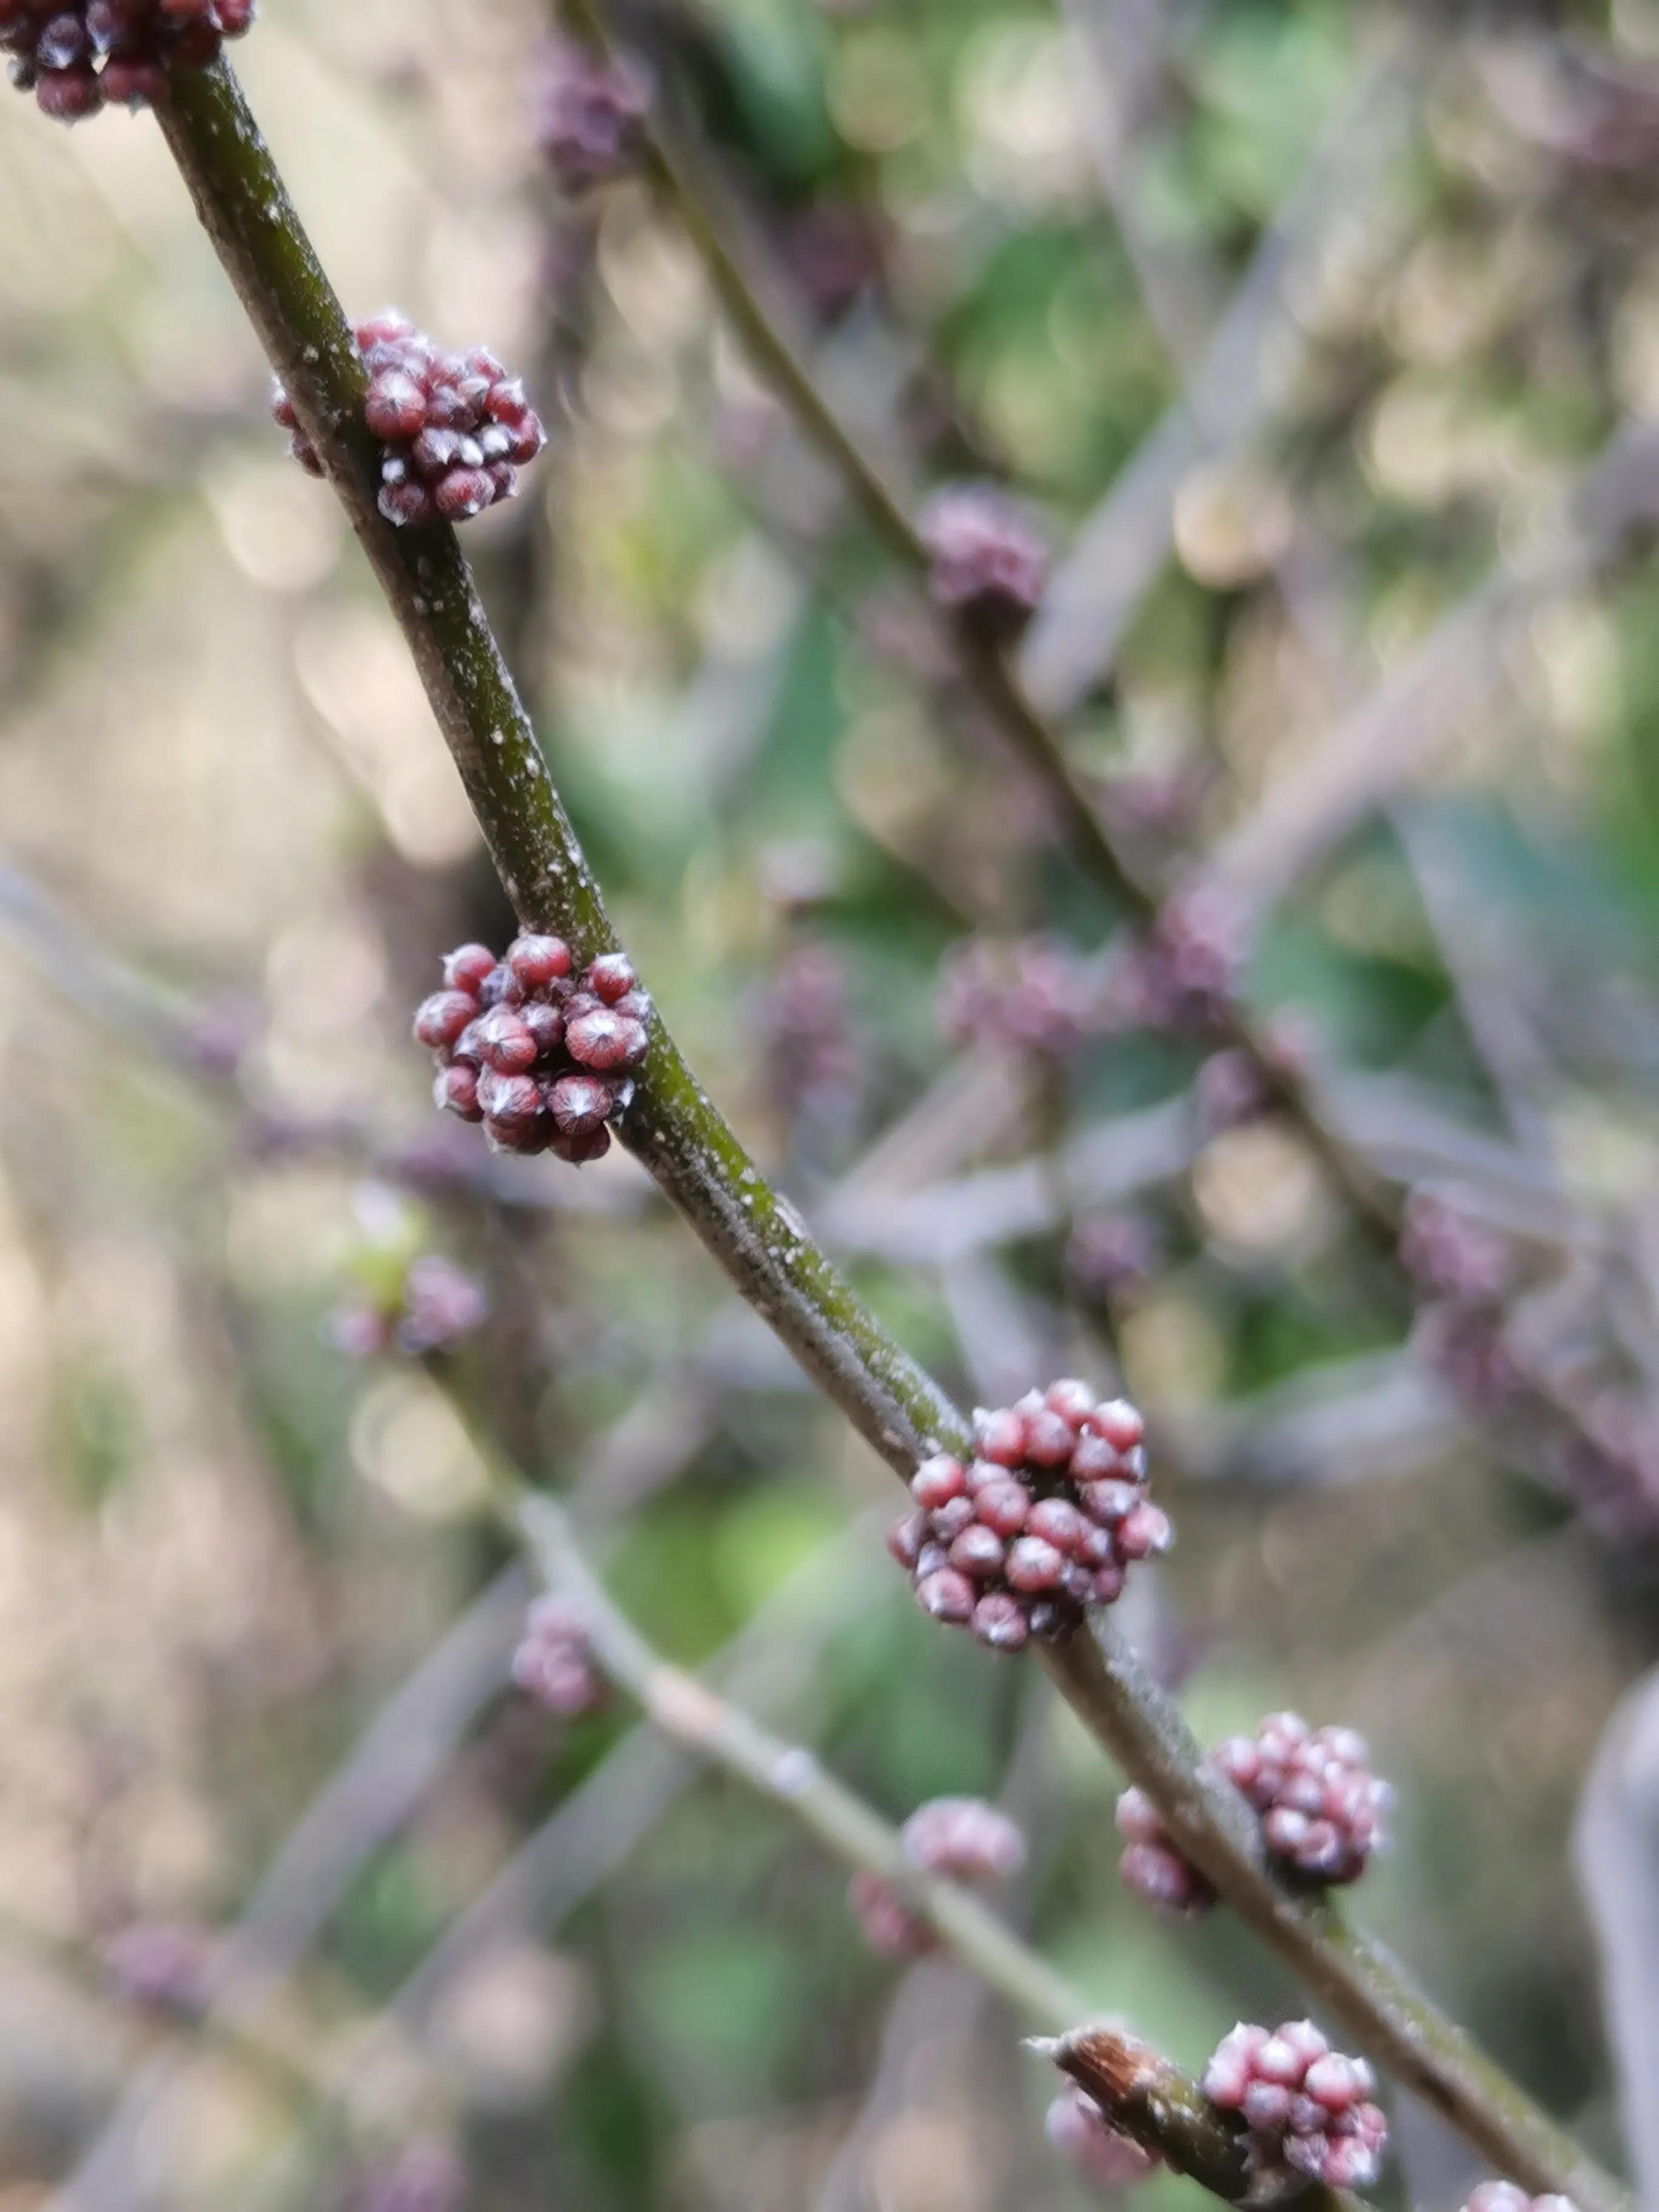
point(554, 1663)
point(1043, 1521)
point(962, 1838)
point(1463, 1271)
point(542, 1060)
point(1183, 976)
point(1322, 1811)
point(1102, 2154)
point(434, 1306)
point(425, 2177)
point(1030, 996)
point(454, 429)
point(165, 1965)
point(1113, 1255)
point(1306, 2108)
point(1448, 1256)
point(77, 55)
point(590, 118)
point(985, 563)
point(1509, 2196)
point(811, 1057)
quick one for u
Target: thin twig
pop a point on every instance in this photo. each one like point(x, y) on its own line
point(1038, 745)
point(1120, 549)
point(1390, 738)
point(674, 1129)
point(368, 1798)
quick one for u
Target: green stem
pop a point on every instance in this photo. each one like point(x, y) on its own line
point(672, 1127)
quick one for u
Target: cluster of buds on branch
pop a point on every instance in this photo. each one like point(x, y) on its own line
point(590, 117)
point(962, 1838)
point(454, 429)
point(1104, 2156)
point(432, 1306)
point(423, 2177)
point(986, 566)
point(554, 1663)
point(77, 55)
point(543, 1062)
point(1322, 1811)
point(1182, 976)
point(1043, 1521)
point(1029, 997)
point(1600, 1441)
point(1463, 1271)
point(1306, 2108)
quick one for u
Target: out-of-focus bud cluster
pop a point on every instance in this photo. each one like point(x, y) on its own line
point(554, 1663)
point(1027, 995)
point(836, 252)
point(1599, 1438)
point(165, 1965)
point(986, 566)
point(811, 1058)
point(454, 429)
point(423, 2177)
point(1043, 1521)
point(1463, 1271)
point(590, 117)
point(77, 55)
point(1104, 2156)
point(542, 1060)
point(433, 1306)
point(962, 1838)
point(1113, 1255)
point(1306, 2108)
point(1320, 1807)
point(1509, 2196)
point(1182, 974)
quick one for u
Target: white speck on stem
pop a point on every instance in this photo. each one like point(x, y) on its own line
point(794, 1774)
point(497, 737)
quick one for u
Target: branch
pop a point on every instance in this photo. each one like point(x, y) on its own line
point(1361, 1984)
point(1250, 361)
point(1038, 743)
point(1147, 2097)
point(756, 1236)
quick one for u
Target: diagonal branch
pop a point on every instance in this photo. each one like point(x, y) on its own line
point(1147, 2097)
point(754, 1234)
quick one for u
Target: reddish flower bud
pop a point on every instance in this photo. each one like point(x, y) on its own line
point(611, 977)
point(456, 1091)
point(394, 407)
point(507, 1044)
point(606, 1040)
point(577, 1103)
point(937, 1480)
point(440, 1020)
point(539, 961)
